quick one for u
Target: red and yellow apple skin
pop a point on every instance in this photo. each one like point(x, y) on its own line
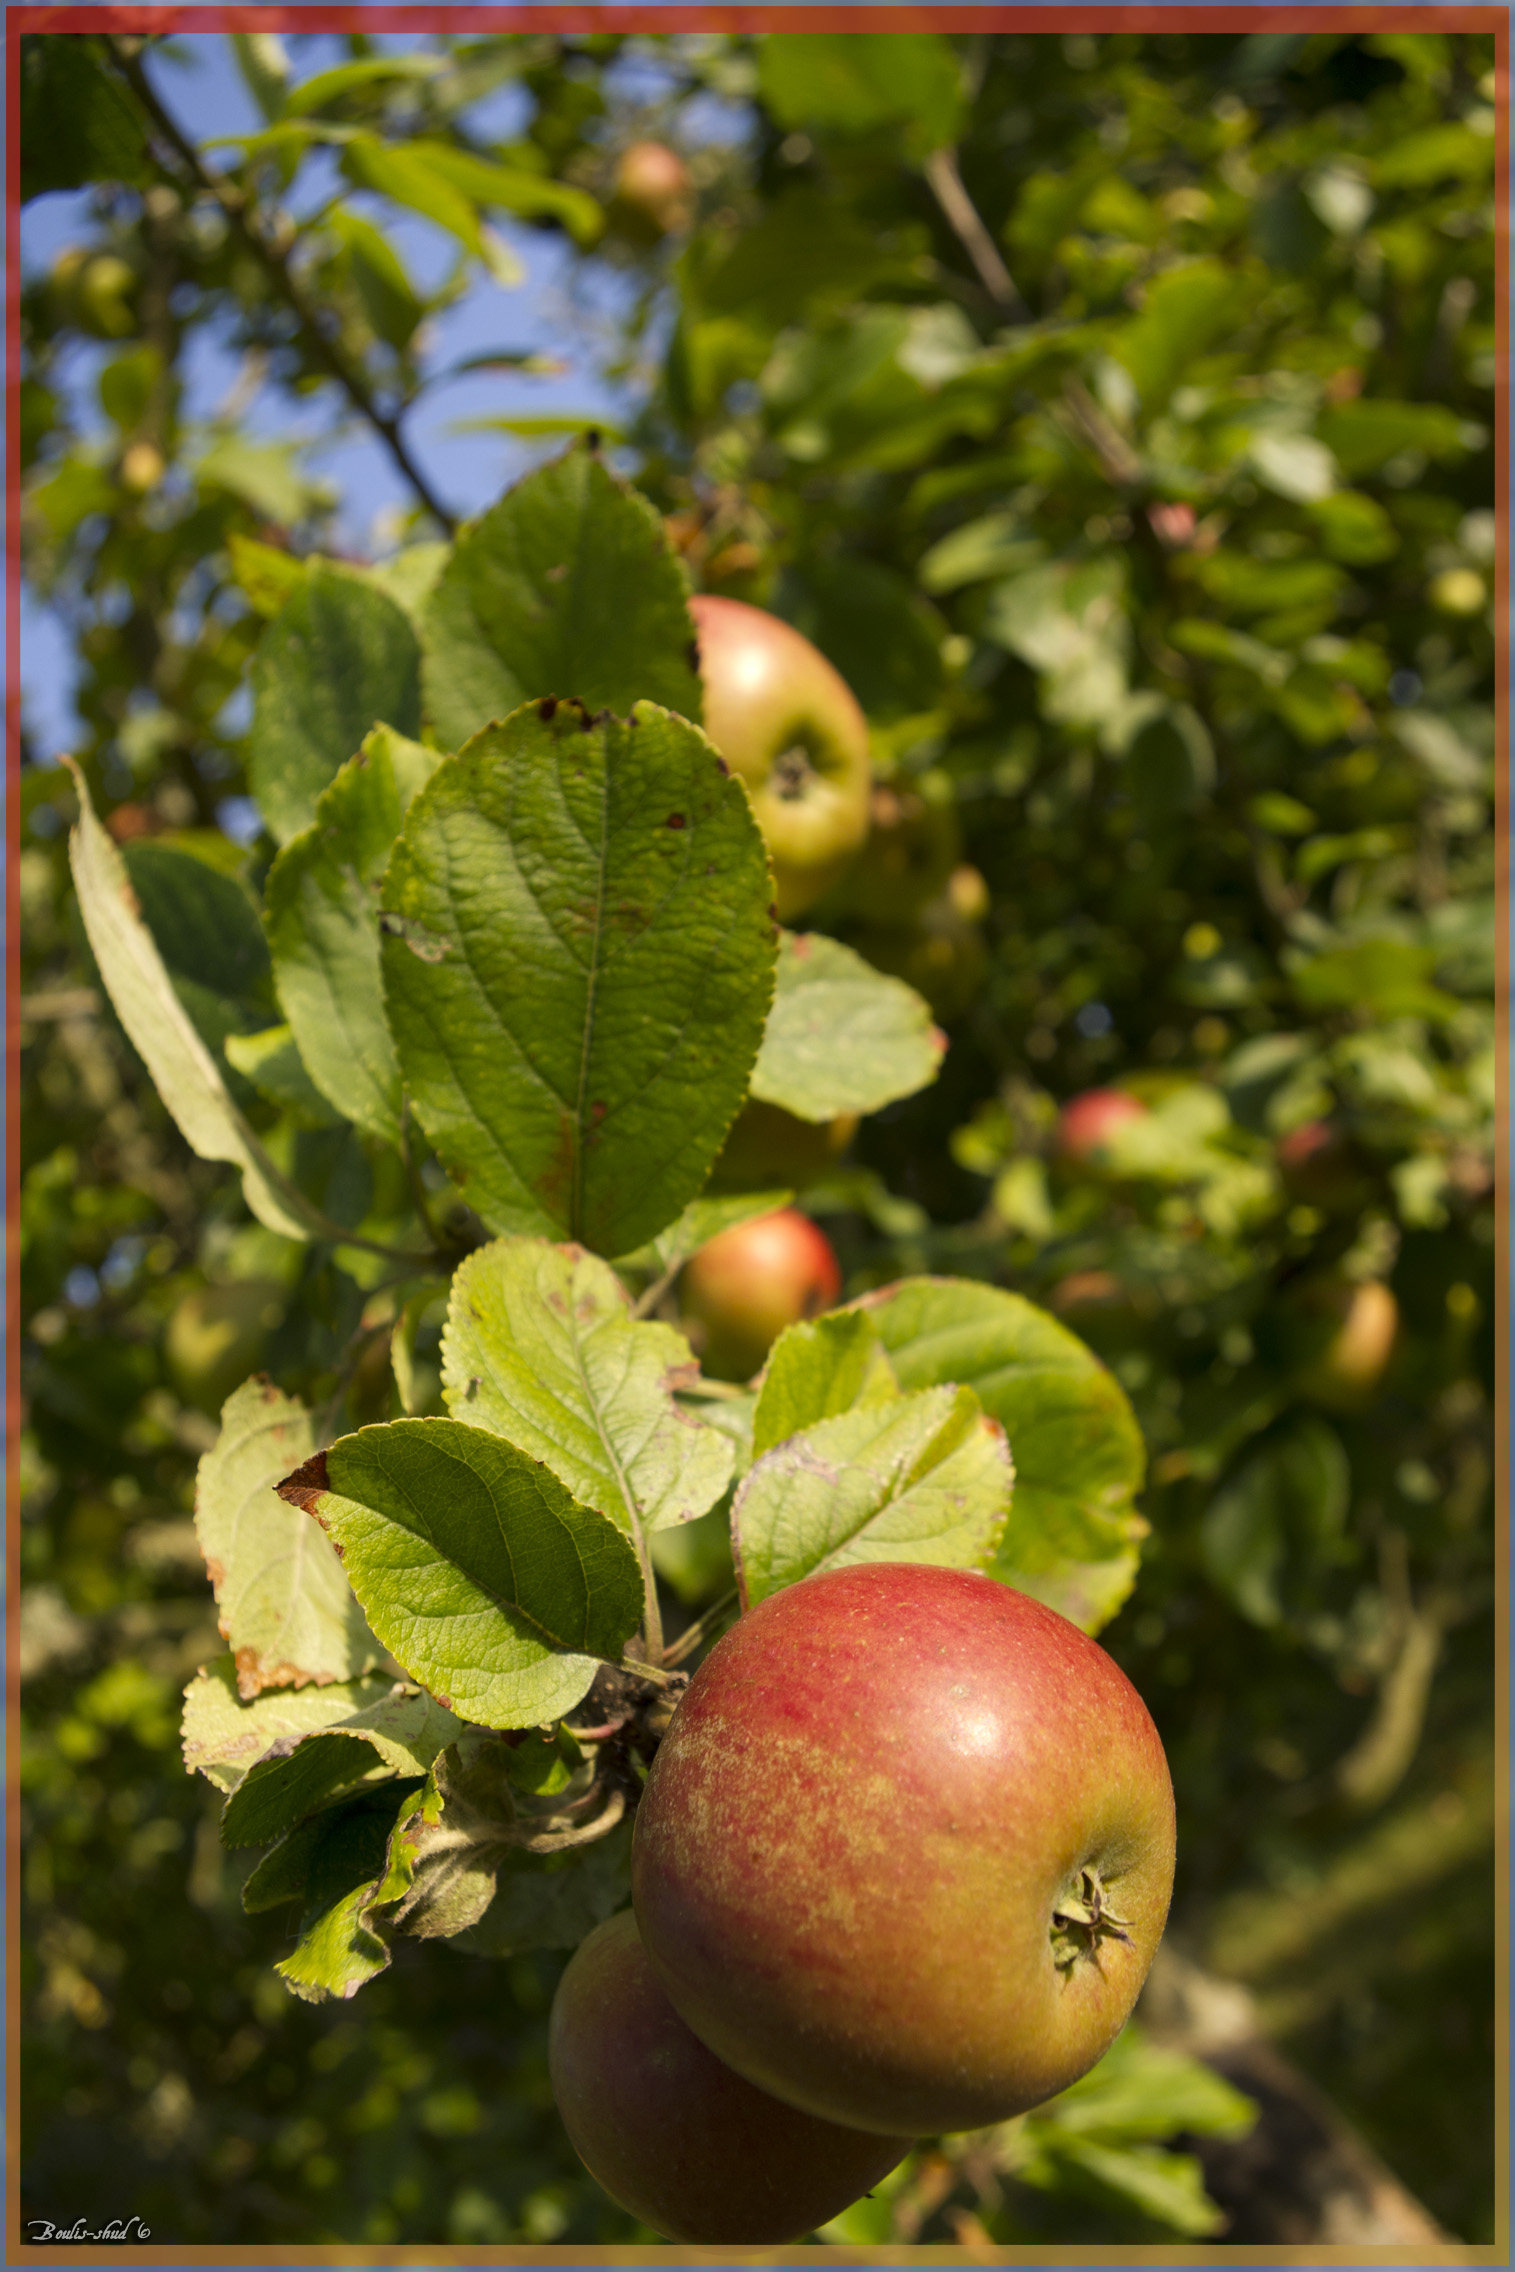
point(751, 1281)
point(652, 195)
point(790, 726)
point(1088, 1121)
point(906, 1851)
point(674, 2135)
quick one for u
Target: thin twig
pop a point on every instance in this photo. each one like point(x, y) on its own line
point(692, 1636)
point(239, 212)
point(650, 1296)
point(967, 226)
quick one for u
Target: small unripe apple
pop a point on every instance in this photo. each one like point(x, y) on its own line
point(142, 467)
point(789, 725)
point(1088, 1121)
point(1348, 1336)
point(905, 1853)
point(751, 1281)
point(216, 1337)
point(769, 1147)
point(652, 195)
point(672, 2134)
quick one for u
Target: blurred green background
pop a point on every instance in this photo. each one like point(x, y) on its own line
point(1115, 412)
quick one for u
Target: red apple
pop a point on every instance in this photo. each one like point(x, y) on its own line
point(652, 195)
point(674, 2135)
point(788, 724)
point(905, 1853)
point(1088, 1121)
point(753, 1280)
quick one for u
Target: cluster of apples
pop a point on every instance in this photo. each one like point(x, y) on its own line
point(900, 1867)
point(1334, 1335)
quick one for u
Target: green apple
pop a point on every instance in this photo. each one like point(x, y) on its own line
point(790, 727)
point(905, 1853)
point(672, 2134)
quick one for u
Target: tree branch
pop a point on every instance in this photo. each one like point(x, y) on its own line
point(967, 226)
point(239, 212)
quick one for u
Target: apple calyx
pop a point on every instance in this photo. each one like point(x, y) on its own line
point(793, 773)
point(1080, 1921)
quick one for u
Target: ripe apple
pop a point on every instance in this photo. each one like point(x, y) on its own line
point(753, 1280)
point(652, 195)
point(671, 2133)
point(905, 1853)
point(768, 1147)
point(1088, 1121)
point(788, 724)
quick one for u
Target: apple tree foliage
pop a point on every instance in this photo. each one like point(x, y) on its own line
point(1115, 414)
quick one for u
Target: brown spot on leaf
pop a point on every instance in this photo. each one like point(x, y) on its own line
point(674, 820)
point(547, 708)
point(216, 1574)
point(305, 1486)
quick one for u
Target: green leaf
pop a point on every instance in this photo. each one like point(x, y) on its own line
point(818, 1368)
point(841, 1037)
point(407, 172)
point(205, 926)
point(277, 1793)
point(1364, 435)
point(1277, 1518)
point(327, 87)
point(514, 190)
point(577, 968)
point(338, 658)
point(78, 123)
point(339, 1950)
point(399, 1733)
point(323, 927)
point(1143, 2090)
point(489, 1584)
point(265, 476)
point(276, 1070)
point(540, 1346)
point(701, 1221)
point(924, 1478)
point(567, 586)
point(390, 301)
point(286, 1610)
point(1389, 978)
point(224, 1735)
point(284, 1871)
point(553, 1901)
point(265, 575)
point(1072, 1539)
point(183, 1071)
point(1184, 310)
point(857, 85)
